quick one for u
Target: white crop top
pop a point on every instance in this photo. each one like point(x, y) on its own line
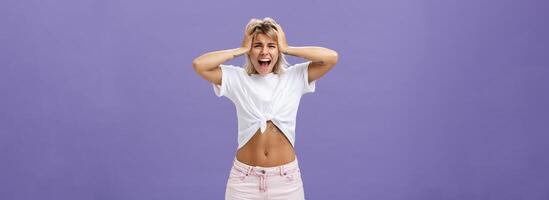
point(260, 98)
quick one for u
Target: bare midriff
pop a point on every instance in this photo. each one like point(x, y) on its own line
point(267, 149)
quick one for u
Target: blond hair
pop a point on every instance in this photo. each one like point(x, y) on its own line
point(265, 26)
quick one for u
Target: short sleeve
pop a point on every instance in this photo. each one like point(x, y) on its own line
point(229, 80)
point(302, 70)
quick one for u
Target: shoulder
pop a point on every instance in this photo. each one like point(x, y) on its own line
point(300, 65)
point(233, 70)
point(298, 68)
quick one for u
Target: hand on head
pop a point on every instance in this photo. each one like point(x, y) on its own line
point(247, 41)
point(282, 43)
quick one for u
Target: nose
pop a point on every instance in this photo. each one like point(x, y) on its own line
point(264, 50)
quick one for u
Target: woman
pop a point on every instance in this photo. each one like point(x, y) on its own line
point(266, 94)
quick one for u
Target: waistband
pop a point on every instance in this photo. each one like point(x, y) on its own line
point(280, 170)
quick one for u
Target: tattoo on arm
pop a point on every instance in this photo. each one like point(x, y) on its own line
point(288, 53)
point(236, 55)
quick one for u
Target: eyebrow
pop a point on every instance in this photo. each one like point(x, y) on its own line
point(267, 43)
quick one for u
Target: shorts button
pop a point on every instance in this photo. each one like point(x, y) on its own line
point(263, 171)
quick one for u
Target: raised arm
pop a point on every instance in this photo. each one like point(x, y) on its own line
point(207, 65)
point(322, 59)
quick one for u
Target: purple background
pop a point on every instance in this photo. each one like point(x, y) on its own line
point(429, 100)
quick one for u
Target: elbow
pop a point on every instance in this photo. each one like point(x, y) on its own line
point(333, 56)
point(196, 65)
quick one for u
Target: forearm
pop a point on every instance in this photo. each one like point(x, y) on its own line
point(319, 55)
point(211, 60)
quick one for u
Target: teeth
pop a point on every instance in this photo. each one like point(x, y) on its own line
point(265, 60)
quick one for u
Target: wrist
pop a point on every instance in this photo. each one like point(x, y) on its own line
point(287, 50)
point(244, 49)
point(239, 51)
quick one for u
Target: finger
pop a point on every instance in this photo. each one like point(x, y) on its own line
point(279, 30)
point(279, 27)
point(248, 30)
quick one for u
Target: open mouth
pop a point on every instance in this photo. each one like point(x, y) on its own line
point(265, 62)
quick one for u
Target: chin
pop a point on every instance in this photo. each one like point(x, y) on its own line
point(263, 71)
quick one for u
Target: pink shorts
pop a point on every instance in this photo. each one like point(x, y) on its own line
point(254, 182)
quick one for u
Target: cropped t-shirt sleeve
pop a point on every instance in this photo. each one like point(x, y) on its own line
point(303, 74)
point(229, 80)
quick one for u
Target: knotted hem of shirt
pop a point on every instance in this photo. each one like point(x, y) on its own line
point(263, 123)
